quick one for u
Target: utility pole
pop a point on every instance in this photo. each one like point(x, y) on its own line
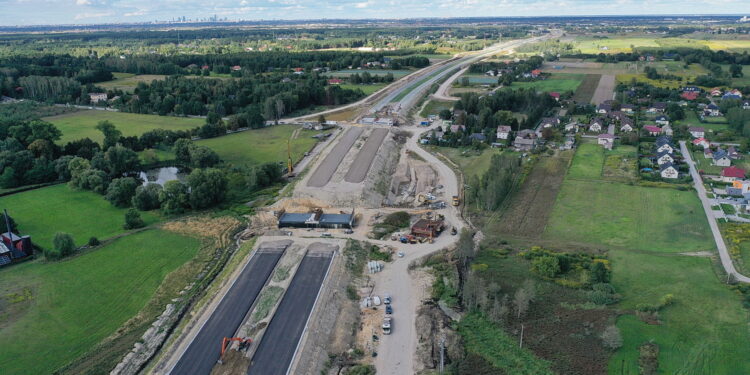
point(520, 343)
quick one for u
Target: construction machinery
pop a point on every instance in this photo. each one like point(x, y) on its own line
point(456, 200)
point(289, 164)
point(244, 343)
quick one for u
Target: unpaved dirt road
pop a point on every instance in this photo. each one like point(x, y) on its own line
point(330, 164)
point(605, 90)
point(362, 163)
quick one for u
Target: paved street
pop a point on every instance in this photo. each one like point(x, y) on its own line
point(726, 260)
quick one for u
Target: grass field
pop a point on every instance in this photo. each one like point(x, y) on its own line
point(706, 165)
point(626, 216)
point(557, 82)
point(616, 44)
point(82, 124)
point(703, 332)
point(433, 107)
point(587, 162)
point(376, 72)
point(70, 306)
point(127, 81)
point(472, 163)
point(621, 163)
point(478, 79)
point(43, 212)
point(261, 145)
point(367, 89)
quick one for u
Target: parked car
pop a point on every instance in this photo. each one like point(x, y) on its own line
point(388, 309)
point(326, 234)
point(387, 321)
point(387, 299)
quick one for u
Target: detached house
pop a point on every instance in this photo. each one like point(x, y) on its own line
point(712, 110)
point(657, 107)
point(607, 140)
point(731, 174)
point(733, 153)
point(708, 153)
point(549, 122)
point(503, 132)
point(596, 125)
point(628, 108)
point(697, 131)
point(662, 120)
point(701, 142)
point(652, 130)
point(603, 108)
point(667, 170)
point(626, 127)
point(715, 92)
point(746, 104)
point(664, 157)
point(721, 158)
point(664, 144)
point(667, 130)
point(96, 97)
point(572, 127)
point(524, 144)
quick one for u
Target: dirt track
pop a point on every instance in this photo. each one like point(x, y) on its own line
point(328, 166)
point(605, 90)
point(361, 165)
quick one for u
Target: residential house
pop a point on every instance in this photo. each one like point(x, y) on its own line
point(555, 95)
point(667, 130)
point(667, 170)
point(596, 125)
point(96, 97)
point(746, 104)
point(733, 153)
point(712, 110)
point(458, 128)
point(662, 120)
point(503, 132)
point(626, 127)
point(701, 142)
point(664, 157)
point(618, 115)
point(697, 131)
point(715, 92)
point(708, 153)
point(731, 174)
point(721, 158)
point(603, 108)
point(664, 143)
point(691, 89)
point(334, 81)
point(657, 107)
point(652, 130)
point(733, 94)
point(572, 127)
point(549, 122)
point(690, 95)
point(536, 73)
point(628, 108)
point(527, 133)
point(524, 144)
point(236, 68)
point(607, 140)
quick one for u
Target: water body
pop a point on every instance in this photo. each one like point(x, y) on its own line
point(162, 175)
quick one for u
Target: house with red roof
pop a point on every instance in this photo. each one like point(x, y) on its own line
point(334, 81)
point(236, 68)
point(555, 95)
point(690, 95)
point(730, 174)
point(536, 73)
point(701, 142)
point(652, 130)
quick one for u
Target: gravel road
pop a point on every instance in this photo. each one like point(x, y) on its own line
point(362, 163)
point(330, 164)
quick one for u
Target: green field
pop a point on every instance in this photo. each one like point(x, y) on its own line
point(127, 81)
point(557, 82)
point(631, 217)
point(477, 79)
point(587, 162)
point(70, 306)
point(619, 43)
point(43, 212)
point(703, 332)
point(470, 162)
point(82, 124)
point(261, 145)
point(433, 107)
point(706, 165)
point(367, 89)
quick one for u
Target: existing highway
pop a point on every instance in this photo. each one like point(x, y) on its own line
point(279, 343)
point(204, 350)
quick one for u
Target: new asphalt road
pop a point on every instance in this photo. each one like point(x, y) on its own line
point(201, 356)
point(279, 342)
point(330, 164)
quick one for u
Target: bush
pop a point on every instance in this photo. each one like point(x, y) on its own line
point(546, 266)
point(93, 241)
point(146, 197)
point(133, 219)
point(63, 245)
point(611, 338)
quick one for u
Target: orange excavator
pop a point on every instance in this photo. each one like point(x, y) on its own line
point(244, 343)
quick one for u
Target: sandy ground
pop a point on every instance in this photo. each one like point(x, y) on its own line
point(361, 166)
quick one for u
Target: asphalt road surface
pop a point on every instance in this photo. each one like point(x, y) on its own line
point(201, 356)
point(279, 342)
point(330, 164)
point(362, 163)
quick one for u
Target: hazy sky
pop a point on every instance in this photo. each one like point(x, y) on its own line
point(26, 12)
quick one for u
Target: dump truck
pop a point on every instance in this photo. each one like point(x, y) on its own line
point(456, 201)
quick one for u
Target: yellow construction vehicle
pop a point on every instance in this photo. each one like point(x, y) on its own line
point(456, 201)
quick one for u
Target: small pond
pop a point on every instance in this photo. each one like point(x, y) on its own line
point(162, 175)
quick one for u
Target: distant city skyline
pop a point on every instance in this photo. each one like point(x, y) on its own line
point(56, 12)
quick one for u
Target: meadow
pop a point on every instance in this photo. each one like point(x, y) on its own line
point(617, 43)
point(561, 82)
point(82, 124)
point(260, 146)
point(367, 89)
point(43, 212)
point(127, 82)
point(587, 162)
point(433, 107)
point(61, 310)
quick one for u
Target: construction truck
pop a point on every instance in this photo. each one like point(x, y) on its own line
point(456, 201)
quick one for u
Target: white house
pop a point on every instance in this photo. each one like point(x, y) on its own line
point(701, 142)
point(626, 127)
point(96, 97)
point(667, 130)
point(596, 125)
point(668, 170)
point(721, 158)
point(746, 104)
point(607, 140)
point(571, 127)
point(712, 110)
point(664, 157)
point(697, 131)
point(662, 120)
point(503, 132)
